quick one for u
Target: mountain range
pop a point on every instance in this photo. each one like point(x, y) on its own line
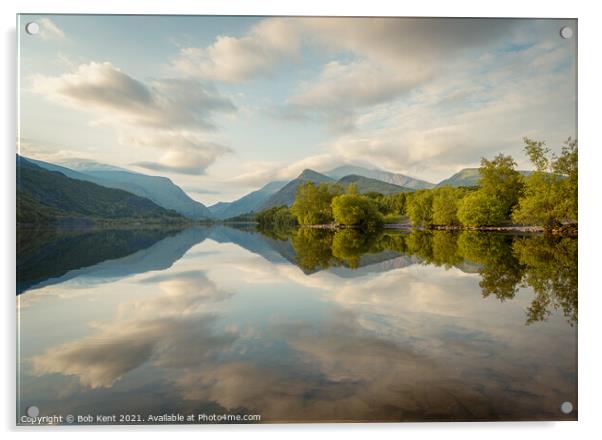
point(384, 176)
point(247, 203)
point(161, 192)
point(45, 196)
point(468, 177)
point(286, 195)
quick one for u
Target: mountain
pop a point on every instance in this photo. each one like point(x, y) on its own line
point(160, 190)
point(469, 177)
point(366, 184)
point(248, 203)
point(384, 176)
point(286, 195)
point(45, 196)
point(465, 177)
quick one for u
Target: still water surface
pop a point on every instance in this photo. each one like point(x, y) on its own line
point(301, 326)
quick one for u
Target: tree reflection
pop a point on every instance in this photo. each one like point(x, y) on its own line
point(314, 249)
point(501, 272)
point(505, 262)
point(349, 245)
point(551, 271)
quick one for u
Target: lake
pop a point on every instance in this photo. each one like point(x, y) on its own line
point(295, 326)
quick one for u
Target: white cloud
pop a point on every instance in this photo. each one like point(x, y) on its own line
point(49, 29)
point(342, 88)
point(102, 88)
point(232, 59)
point(184, 152)
point(389, 57)
point(261, 173)
point(477, 109)
point(172, 115)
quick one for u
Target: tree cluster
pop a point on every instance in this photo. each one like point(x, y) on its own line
point(546, 197)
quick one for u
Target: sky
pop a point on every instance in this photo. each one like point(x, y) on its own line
point(224, 105)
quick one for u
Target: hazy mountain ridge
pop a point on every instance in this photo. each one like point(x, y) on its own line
point(469, 177)
point(160, 190)
point(246, 204)
point(45, 196)
point(367, 184)
point(378, 174)
point(286, 195)
point(164, 193)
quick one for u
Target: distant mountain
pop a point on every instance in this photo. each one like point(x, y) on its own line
point(45, 196)
point(286, 195)
point(465, 177)
point(248, 203)
point(160, 190)
point(90, 165)
point(468, 177)
point(384, 176)
point(366, 184)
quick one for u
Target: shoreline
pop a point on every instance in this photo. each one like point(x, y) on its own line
point(567, 230)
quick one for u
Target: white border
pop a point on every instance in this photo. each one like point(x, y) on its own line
point(590, 117)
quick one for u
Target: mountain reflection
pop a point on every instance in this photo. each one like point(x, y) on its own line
point(505, 262)
point(46, 257)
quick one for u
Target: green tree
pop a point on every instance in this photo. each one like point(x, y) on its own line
point(500, 180)
point(276, 222)
point(480, 209)
point(550, 195)
point(567, 165)
point(419, 207)
point(394, 203)
point(312, 204)
point(445, 205)
point(499, 190)
point(356, 210)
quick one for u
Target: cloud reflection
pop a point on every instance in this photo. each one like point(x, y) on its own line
point(169, 329)
point(412, 343)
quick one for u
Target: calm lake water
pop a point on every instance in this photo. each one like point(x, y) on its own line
point(297, 325)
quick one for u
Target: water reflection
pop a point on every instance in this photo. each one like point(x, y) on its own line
point(505, 262)
point(311, 325)
point(46, 257)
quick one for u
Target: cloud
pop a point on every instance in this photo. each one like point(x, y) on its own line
point(168, 114)
point(233, 60)
point(200, 190)
point(165, 103)
point(185, 152)
point(49, 29)
point(476, 110)
point(342, 88)
point(262, 172)
point(390, 41)
point(386, 58)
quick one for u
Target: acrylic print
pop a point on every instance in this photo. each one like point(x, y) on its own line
point(296, 219)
